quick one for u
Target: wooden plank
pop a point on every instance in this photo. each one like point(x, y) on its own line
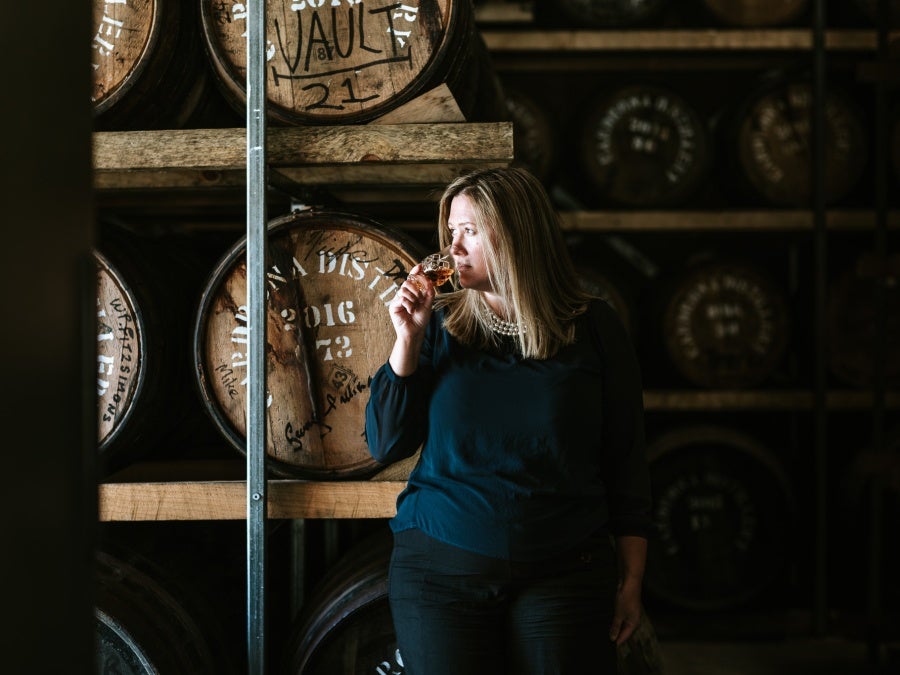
point(357, 499)
point(738, 400)
point(352, 176)
point(205, 500)
point(505, 11)
point(726, 221)
point(386, 175)
point(226, 500)
point(224, 149)
point(636, 61)
point(375, 154)
point(675, 40)
point(445, 143)
point(437, 105)
point(726, 400)
point(170, 179)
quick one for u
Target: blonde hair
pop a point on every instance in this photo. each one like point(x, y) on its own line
point(527, 261)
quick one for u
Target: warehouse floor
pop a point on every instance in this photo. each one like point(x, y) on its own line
point(822, 656)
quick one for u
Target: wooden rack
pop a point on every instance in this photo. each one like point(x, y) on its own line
point(227, 500)
point(364, 160)
point(567, 41)
point(410, 154)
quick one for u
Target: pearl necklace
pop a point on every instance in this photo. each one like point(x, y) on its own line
point(500, 326)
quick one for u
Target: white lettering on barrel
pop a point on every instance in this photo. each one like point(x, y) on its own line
point(105, 367)
point(108, 32)
point(275, 278)
point(345, 315)
point(346, 260)
point(104, 40)
point(342, 344)
point(240, 335)
point(122, 334)
point(324, 39)
point(637, 115)
point(239, 11)
point(388, 668)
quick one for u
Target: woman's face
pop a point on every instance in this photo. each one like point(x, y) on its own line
point(466, 245)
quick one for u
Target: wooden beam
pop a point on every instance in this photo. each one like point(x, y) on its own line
point(436, 105)
point(747, 400)
point(224, 149)
point(675, 40)
point(775, 220)
point(226, 500)
point(521, 12)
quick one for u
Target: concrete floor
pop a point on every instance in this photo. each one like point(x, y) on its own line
point(824, 656)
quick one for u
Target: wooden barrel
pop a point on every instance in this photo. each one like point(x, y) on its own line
point(868, 472)
point(330, 277)
point(148, 67)
point(345, 63)
point(725, 324)
point(346, 628)
point(644, 146)
point(775, 144)
point(722, 508)
point(143, 339)
point(598, 13)
point(853, 321)
point(754, 13)
point(533, 141)
point(141, 627)
point(121, 352)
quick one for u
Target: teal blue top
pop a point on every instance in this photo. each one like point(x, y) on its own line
point(520, 457)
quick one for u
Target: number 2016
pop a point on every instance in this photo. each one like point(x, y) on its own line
point(313, 315)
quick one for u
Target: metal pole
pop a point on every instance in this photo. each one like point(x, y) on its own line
point(879, 354)
point(820, 606)
point(256, 308)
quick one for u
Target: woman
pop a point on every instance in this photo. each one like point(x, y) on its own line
point(527, 396)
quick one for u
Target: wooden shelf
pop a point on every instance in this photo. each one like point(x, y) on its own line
point(784, 220)
point(773, 220)
point(788, 39)
point(521, 12)
point(227, 500)
point(377, 154)
point(213, 490)
point(762, 400)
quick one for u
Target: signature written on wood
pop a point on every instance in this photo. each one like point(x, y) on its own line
point(348, 385)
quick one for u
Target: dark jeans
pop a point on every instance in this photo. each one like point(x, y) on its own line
point(460, 613)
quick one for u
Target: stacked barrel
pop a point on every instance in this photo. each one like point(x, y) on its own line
point(714, 315)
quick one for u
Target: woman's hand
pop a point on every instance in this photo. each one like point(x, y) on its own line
point(627, 612)
point(410, 311)
point(632, 552)
point(411, 307)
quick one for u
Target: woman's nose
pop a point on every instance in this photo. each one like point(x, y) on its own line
point(456, 245)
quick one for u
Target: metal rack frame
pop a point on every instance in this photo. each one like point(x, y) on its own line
point(256, 348)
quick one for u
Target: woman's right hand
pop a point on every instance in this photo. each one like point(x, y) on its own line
point(410, 311)
point(411, 307)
